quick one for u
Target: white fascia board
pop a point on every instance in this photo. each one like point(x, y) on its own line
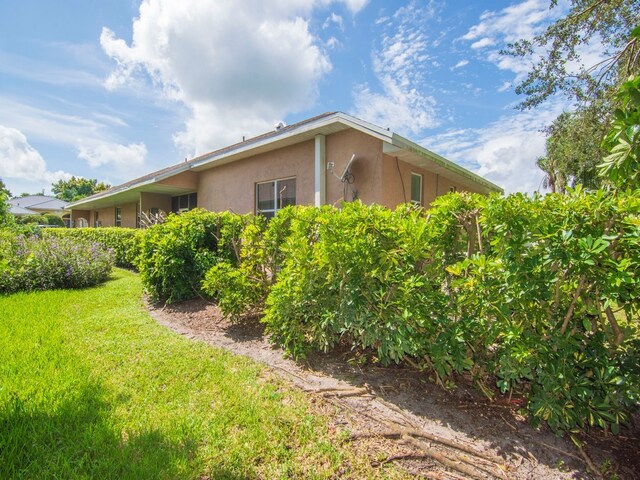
point(366, 127)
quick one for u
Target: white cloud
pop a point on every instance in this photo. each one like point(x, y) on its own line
point(236, 66)
point(91, 138)
point(483, 42)
point(356, 5)
point(113, 154)
point(505, 151)
point(333, 42)
point(19, 160)
point(523, 20)
point(399, 68)
point(505, 86)
point(335, 19)
point(461, 64)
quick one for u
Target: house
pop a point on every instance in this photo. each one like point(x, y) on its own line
point(327, 159)
point(39, 205)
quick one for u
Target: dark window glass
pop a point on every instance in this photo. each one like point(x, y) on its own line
point(187, 201)
point(265, 195)
point(416, 188)
point(118, 217)
point(286, 192)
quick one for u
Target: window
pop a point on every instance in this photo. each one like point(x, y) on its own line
point(97, 222)
point(118, 217)
point(184, 203)
point(416, 188)
point(275, 195)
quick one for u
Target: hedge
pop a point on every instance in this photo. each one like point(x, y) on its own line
point(175, 255)
point(124, 242)
point(533, 296)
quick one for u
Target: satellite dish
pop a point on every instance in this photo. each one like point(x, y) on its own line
point(346, 172)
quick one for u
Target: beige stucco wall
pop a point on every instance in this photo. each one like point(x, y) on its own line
point(155, 200)
point(366, 168)
point(129, 215)
point(184, 180)
point(107, 216)
point(232, 186)
point(432, 185)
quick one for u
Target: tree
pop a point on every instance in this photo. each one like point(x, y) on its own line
point(4, 189)
point(560, 68)
point(574, 148)
point(622, 165)
point(6, 218)
point(553, 179)
point(77, 187)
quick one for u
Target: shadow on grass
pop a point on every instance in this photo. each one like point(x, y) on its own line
point(75, 439)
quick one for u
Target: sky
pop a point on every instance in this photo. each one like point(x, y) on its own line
point(113, 90)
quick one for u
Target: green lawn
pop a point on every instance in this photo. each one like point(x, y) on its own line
point(92, 387)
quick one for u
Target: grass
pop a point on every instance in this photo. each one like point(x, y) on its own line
point(92, 387)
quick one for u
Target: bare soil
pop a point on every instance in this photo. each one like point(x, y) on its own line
point(397, 414)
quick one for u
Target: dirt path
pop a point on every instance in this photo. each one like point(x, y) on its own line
point(403, 416)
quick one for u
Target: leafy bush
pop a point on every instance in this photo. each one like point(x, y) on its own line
point(124, 242)
point(553, 304)
point(27, 219)
point(241, 288)
point(48, 219)
point(536, 295)
point(54, 220)
point(34, 263)
point(175, 255)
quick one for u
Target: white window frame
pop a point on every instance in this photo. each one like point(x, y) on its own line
point(275, 208)
point(419, 175)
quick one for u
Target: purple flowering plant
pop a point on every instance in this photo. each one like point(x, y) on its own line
point(43, 263)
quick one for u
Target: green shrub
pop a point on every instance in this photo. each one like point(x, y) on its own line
point(175, 255)
point(54, 220)
point(533, 296)
point(34, 263)
point(537, 295)
point(241, 289)
point(27, 219)
point(360, 275)
point(553, 304)
point(124, 242)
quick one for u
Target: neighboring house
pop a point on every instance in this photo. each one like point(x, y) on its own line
point(39, 205)
point(327, 159)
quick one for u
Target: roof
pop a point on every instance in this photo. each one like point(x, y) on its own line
point(326, 123)
point(17, 210)
point(35, 204)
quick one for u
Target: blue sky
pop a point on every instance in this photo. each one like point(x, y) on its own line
point(113, 90)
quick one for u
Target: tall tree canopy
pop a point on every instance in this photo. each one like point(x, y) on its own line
point(76, 188)
point(4, 189)
point(556, 53)
point(574, 148)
